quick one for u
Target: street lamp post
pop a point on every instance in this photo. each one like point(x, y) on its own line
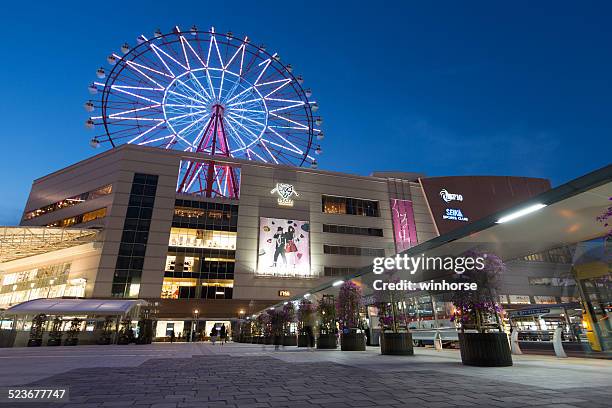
point(194, 325)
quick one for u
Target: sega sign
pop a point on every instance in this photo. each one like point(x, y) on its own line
point(454, 214)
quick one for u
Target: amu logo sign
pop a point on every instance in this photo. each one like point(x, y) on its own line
point(284, 192)
point(448, 197)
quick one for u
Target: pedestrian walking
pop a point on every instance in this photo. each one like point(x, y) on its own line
point(223, 334)
point(172, 336)
point(213, 335)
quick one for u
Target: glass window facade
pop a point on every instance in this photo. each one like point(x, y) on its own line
point(338, 271)
point(80, 219)
point(347, 229)
point(69, 202)
point(201, 251)
point(130, 261)
point(351, 206)
point(355, 251)
point(45, 282)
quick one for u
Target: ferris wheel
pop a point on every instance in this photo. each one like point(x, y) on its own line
point(205, 92)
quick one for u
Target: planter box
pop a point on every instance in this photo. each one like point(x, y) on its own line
point(248, 339)
point(289, 340)
point(268, 340)
point(54, 341)
point(352, 341)
point(103, 341)
point(396, 344)
point(485, 349)
point(327, 341)
point(123, 340)
point(34, 342)
point(302, 340)
point(71, 341)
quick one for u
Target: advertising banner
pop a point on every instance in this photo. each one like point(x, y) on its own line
point(404, 228)
point(284, 248)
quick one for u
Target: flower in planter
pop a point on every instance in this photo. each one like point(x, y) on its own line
point(327, 315)
point(348, 304)
point(305, 315)
point(391, 310)
point(479, 309)
point(288, 317)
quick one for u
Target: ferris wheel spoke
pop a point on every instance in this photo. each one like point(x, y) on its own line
point(285, 140)
point(262, 143)
point(300, 125)
point(112, 115)
point(140, 69)
point(255, 136)
point(155, 140)
point(282, 146)
point(245, 118)
point(266, 64)
point(187, 115)
point(113, 87)
point(236, 136)
point(170, 57)
point(238, 95)
point(185, 52)
point(258, 156)
point(199, 102)
point(295, 105)
point(197, 55)
point(145, 133)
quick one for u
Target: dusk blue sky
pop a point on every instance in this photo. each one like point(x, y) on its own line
point(444, 88)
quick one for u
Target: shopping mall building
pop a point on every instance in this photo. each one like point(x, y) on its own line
point(113, 226)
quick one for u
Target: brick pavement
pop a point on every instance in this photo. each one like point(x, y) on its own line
point(216, 379)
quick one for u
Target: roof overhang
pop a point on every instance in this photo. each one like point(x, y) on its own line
point(22, 242)
point(98, 307)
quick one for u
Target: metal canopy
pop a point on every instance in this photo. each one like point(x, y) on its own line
point(75, 307)
point(21, 242)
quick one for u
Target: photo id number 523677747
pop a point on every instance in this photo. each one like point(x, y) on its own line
point(26, 394)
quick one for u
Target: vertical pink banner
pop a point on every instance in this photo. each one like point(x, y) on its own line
point(404, 228)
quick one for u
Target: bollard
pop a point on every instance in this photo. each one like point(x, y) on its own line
point(438, 341)
point(514, 343)
point(557, 344)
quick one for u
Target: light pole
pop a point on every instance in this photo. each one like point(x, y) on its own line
point(194, 325)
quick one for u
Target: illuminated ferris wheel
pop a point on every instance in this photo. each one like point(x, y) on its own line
point(205, 92)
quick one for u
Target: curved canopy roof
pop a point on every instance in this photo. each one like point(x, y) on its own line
point(74, 307)
point(21, 242)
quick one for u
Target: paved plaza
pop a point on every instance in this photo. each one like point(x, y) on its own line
point(239, 375)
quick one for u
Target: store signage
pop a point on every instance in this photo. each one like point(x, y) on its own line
point(284, 192)
point(448, 197)
point(284, 293)
point(529, 312)
point(454, 214)
point(546, 300)
point(404, 227)
point(519, 299)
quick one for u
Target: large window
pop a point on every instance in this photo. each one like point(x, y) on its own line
point(69, 202)
point(204, 264)
point(201, 238)
point(351, 206)
point(190, 288)
point(45, 282)
point(355, 251)
point(133, 246)
point(339, 271)
point(205, 215)
point(80, 219)
point(347, 229)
